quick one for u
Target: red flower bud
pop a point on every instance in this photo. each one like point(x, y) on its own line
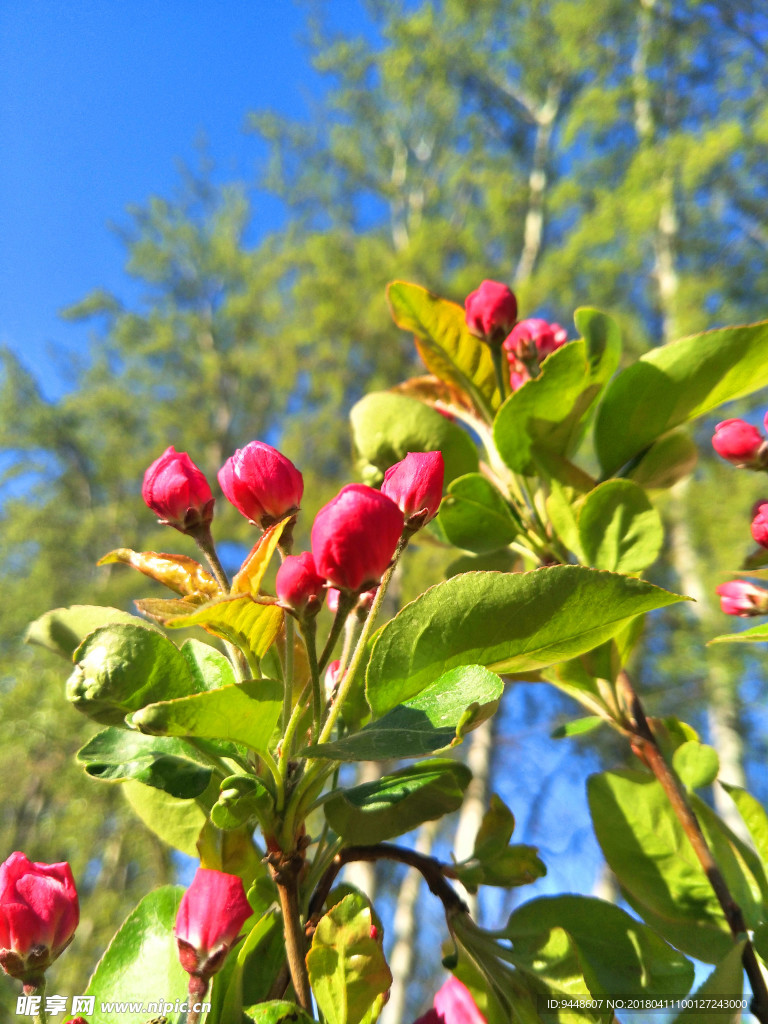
point(354, 537)
point(453, 1004)
point(491, 311)
point(261, 483)
point(211, 913)
point(178, 492)
point(738, 442)
point(416, 486)
point(739, 597)
point(760, 524)
point(39, 912)
point(298, 585)
point(77, 1020)
point(534, 339)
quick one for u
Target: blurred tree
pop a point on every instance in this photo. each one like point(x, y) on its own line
point(608, 153)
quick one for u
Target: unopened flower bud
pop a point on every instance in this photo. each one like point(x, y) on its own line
point(739, 443)
point(739, 597)
point(491, 311)
point(39, 913)
point(760, 524)
point(299, 586)
point(261, 483)
point(362, 606)
point(332, 679)
point(416, 486)
point(178, 492)
point(453, 1004)
point(534, 339)
point(211, 913)
point(354, 537)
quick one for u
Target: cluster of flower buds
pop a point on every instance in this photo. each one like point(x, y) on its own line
point(211, 914)
point(491, 314)
point(741, 444)
point(453, 1004)
point(39, 913)
point(354, 536)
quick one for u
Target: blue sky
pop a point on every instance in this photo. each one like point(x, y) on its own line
point(99, 100)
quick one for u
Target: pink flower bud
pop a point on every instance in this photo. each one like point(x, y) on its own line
point(261, 483)
point(491, 311)
point(332, 679)
point(416, 486)
point(39, 912)
point(760, 524)
point(354, 537)
point(534, 339)
point(739, 597)
point(738, 442)
point(178, 491)
point(77, 1020)
point(518, 377)
point(453, 1004)
point(211, 913)
point(299, 587)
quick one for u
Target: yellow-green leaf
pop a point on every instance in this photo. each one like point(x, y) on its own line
point(238, 619)
point(445, 344)
point(177, 572)
point(248, 579)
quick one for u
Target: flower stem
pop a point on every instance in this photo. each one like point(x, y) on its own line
point(346, 604)
point(288, 670)
point(36, 987)
point(499, 359)
point(362, 640)
point(309, 633)
point(204, 540)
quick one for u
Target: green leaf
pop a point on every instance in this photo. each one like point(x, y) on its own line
point(577, 727)
point(177, 822)
point(559, 938)
point(253, 972)
point(386, 426)
point(394, 804)
point(603, 339)
point(697, 764)
point(563, 518)
point(243, 713)
point(437, 718)
point(242, 799)
point(494, 861)
point(674, 384)
point(547, 413)
point(120, 668)
point(725, 982)
point(64, 629)
point(650, 854)
point(444, 342)
point(238, 619)
point(116, 755)
point(756, 635)
point(475, 516)
point(209, 668)
point(347, 969)
point(278, 1011)
point(754, 817)
point(667, 460)
point(141, 962)
point(508, 622)
point(619, 528)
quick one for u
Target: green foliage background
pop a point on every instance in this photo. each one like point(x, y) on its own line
point(609, 153)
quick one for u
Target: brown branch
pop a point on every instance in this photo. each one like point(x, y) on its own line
point(433, 872)
point(645, 746)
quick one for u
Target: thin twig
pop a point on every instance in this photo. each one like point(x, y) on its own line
point(644, 744)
